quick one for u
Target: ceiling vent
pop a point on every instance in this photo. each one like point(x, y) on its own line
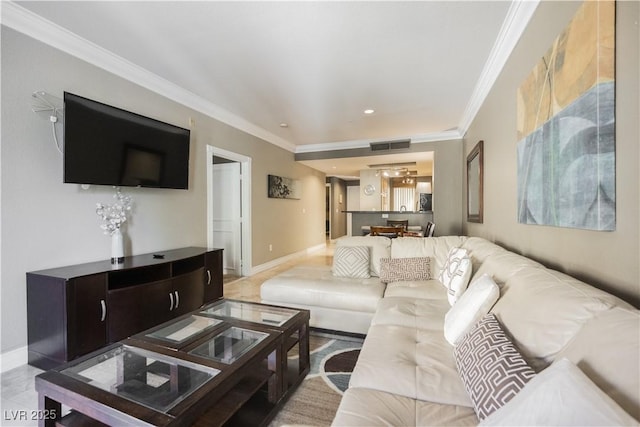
point(390, 145)
point(392, 165)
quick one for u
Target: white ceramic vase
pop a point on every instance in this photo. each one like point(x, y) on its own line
point(117, 247)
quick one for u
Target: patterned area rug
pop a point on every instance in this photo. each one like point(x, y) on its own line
point(316, 400)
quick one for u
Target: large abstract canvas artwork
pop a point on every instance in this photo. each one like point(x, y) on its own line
point(566, 127)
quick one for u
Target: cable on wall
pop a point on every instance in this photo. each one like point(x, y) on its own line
point(42, 102)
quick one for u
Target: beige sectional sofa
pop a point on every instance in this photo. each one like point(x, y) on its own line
point(407, 373)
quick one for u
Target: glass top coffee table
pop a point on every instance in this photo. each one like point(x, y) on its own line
point(251, 312)
point(229, 345)
point(210, 364)
point(150, 379)
point(183, 330)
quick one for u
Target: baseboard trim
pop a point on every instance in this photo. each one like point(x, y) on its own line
point(278, 261)
point(12, 359)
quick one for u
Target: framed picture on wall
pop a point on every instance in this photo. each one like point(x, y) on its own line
point(426, 202)
point(283, 188)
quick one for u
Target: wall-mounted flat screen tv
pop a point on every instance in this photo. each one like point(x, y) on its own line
point(105, 145)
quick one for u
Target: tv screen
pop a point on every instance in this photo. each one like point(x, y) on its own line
point(105, 145)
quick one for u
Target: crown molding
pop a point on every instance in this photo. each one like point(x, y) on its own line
point(45, 31)
point(38, 28)
point(447, 135)
point(517, 19)
point(365, 143)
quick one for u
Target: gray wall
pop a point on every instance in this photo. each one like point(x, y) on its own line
point(447, 187)
point(46, 223)
point(607, 259)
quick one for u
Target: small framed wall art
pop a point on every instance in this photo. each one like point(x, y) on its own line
point(283, 188)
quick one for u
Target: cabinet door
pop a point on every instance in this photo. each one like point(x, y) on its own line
point(213, 276)
point(47, 302)
point(136, 308)
point(189, 292)
point(87, 326)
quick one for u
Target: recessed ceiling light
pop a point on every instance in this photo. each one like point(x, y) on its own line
point(369, 111)
point(284, 125)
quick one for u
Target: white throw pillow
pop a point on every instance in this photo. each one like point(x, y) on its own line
point(455, 273)
point(470, 308)
point(352, 262)
point(560, 395)
point(380, 247)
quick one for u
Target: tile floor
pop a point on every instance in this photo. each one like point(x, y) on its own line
point(19, 400)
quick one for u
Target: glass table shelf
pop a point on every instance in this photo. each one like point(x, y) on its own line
point(230, 345)
point(151, 379)
point(256, 313)
point(181, 330)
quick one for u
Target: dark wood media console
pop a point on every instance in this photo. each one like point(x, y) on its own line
point(77, 309)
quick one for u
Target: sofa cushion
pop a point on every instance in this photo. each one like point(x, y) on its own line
point(499, 263)
point(455, 273)
point(437, 248)
point(543, 310)
point(561, 395)
point(365, 407)
point(480, 249)
point(380, 248)
point(492, 369)
point(414, 313)
point(315, 285)
point(410, 362)
point(400, 269)
point(470, 308)
point(350, 321)
point(423, 289)
point(606, 343)
point(501, 266)
point(351, 262)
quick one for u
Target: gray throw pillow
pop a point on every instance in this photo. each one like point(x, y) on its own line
point(491, 368)
point(404, 269)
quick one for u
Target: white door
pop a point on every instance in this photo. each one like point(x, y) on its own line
point(227, 215)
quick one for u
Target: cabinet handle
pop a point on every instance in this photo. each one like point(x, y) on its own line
point(208, 277)
point(103, 305)
point(177, 299)
point(171, 298)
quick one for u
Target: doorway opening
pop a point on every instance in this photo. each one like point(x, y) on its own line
point(229, 210)
point(328, 213)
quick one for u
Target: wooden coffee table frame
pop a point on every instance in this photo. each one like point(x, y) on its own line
point(236, 394)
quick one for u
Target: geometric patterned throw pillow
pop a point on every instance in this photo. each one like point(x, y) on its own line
point(403, 269)
point(455, 273)
point(352, 262)
point(491, 368)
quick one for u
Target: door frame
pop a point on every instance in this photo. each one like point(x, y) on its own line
point(245, 201)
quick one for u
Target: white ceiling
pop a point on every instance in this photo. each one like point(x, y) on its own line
point(314, 65)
